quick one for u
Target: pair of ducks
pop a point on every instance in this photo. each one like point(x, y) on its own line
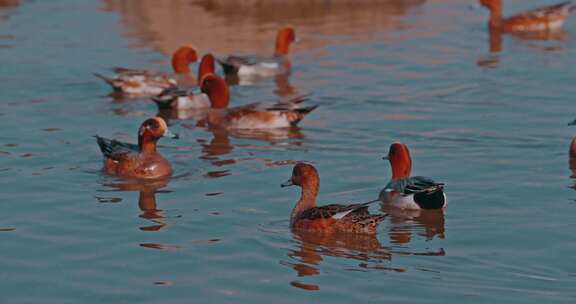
point(140, 83)
point(403, 191)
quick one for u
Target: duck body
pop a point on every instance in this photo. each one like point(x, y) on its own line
point(141, 161)
point(333, 218)
point(258, 115)
point(126, 160)
point(414, 193)
point(138, 82)
point(353, 218)
point(546, 18)
point(181, 99)
point(254, 66)
point(410, 192)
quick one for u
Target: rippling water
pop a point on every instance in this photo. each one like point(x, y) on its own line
point(492, 125)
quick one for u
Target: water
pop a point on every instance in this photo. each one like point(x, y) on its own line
point(493, 126)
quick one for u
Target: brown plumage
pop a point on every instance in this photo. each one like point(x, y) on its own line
point(137, 161)
point(547, 18)
point(353, 218)
point(251, 116)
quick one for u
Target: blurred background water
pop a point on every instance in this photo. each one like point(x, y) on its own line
point(486, 115)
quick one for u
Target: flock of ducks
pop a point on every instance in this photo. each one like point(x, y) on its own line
point(210, 94)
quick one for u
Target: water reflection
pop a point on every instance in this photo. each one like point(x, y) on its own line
point(146, 199)
point(572, 157)
point(425, 223)
point(545, 41)
point(221, 145)
point(313, 247)
point(243, 26)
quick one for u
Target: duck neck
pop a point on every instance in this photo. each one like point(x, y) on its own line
point(495, 21)
point(147, 143)
point(401, 170)
point(282, 46)
point(307, 199)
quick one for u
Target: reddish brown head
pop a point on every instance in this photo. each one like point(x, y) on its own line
point(182, 58)
point(216, 89)
point(304, 175)
point(150, 131)
point(284, 38)
point(491, 3)
point(206, 66)
point(400, 160)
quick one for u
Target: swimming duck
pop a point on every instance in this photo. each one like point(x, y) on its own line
point(410, 192)
point(183, 98)
point(252, 116)
point(141, 160)
point(262, 66)
point(146, 83)
point(307, 216)
point(547, 18)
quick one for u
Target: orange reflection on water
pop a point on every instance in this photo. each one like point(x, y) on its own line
point(146, 199)
point(546, 41)
point(426, 223)
point(250, 26)
point(313, 247)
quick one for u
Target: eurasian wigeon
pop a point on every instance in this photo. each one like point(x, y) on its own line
point(307, 216)
point(251, 116)
point(141, 160)
point(147, 83)
point(262, 66)
point(410, 192)
point(187, 98)
point(547, 18)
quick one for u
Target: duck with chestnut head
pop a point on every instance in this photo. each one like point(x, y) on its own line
point(141, 160)
point(546, 18)
point(251, 66)
point(410, 192)
point(139, 83)
point(333, 218)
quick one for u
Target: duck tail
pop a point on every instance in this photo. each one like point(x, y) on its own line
point(108, 80)
point(305, 110)
point(296, 115)
point(299, 99)
point(227, 67)
point(104, 145)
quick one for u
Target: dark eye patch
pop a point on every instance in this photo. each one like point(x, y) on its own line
point(153, 124)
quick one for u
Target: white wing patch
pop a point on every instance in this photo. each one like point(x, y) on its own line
point(342, 214)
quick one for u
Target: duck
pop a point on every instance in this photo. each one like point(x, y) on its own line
point(546, 18)
point(187, 98)
point(410, 192)
point(257, 115)
point(333, 218)
point(141, 161)
point(139, 83)
point(255, 66)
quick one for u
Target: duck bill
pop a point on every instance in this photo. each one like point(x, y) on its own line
point(287, 183)
point(385, 158)
point(169, 134)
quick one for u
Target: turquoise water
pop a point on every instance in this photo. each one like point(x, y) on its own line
point(493, 127)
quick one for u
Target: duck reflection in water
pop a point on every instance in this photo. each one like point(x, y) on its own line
point(313, 247)
point(546, 41)
point(221, 145)
point(572, 158)
point(146, 199)
point(405, 222)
